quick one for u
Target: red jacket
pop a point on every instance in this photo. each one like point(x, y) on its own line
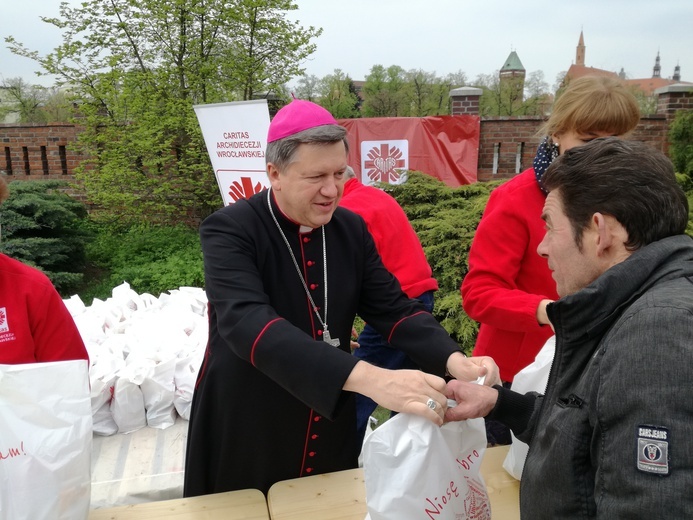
point(395, 238)
point(507, 278)
point(35, 325)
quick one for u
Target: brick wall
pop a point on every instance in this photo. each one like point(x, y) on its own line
point(465, 100)
point(506, 145)
point(672, 98)
point(38, 152)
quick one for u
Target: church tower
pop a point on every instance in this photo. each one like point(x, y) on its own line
point(512, 84)
point(657, 70)
point(677, 73)
point(580, 52)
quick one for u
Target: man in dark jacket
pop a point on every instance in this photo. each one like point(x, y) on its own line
point(611, 437)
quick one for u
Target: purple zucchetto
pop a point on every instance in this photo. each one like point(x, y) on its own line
point(297, 116)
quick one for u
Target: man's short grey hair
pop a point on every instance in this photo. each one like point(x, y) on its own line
point(349, 173)
point(281, 152)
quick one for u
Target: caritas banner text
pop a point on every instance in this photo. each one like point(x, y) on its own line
point(381, 149)
point(236, 138)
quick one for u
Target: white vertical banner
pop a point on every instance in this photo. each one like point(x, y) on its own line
point(235, 134)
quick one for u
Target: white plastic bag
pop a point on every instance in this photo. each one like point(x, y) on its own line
point(45, 441)
point(184, 378)
point(532, 378)
point(415, 469)
point(127, 405)
point(158, 390)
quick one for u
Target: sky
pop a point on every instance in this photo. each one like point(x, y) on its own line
point(446, 36)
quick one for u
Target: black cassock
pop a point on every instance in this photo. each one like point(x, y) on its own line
point(268, 403)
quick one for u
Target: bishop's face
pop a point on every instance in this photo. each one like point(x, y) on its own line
point(309, 188)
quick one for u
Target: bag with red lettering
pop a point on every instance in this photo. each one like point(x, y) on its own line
point(45, 441)
point(415, 469)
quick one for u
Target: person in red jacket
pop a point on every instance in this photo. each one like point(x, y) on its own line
point(35, 325)
point(508, 285)
point(402, 254)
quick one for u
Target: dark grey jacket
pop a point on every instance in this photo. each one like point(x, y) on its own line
point(613, 435)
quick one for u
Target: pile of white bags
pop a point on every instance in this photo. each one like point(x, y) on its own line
point(145, 353)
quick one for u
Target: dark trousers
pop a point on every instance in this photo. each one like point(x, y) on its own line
point(375, 350)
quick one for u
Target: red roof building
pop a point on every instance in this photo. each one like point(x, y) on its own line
point(646, 85)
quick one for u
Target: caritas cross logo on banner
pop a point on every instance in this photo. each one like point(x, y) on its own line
point(235, 134)
point(384, 161)
point(244, 188)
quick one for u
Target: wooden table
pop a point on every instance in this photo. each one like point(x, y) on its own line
point(503, 489)
point(247, 504)
point(342, 495)
point(331, 496)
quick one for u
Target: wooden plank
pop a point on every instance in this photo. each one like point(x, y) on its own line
point(247, 504)
point(332, 496)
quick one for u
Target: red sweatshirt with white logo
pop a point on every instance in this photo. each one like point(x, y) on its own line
point(35, 325)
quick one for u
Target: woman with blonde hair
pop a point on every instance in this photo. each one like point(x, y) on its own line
point(508, 284)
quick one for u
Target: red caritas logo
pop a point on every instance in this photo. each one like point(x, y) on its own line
point(4, 326)
point(244, 189)
point(477, 505)
point(384, 163)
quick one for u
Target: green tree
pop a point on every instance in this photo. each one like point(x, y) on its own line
point(307, 87)
point(681, 142)
point(383, 92)
point(419, 93)
point(43, 226)
point(559, 83)
point(445, 220)
point(646, 103)
point(490, 102)
point(34, 103)
point(338, 95)
point(513, 96)
point(537, 99)
point(137, 68)
point(151, 259)
point(456, 79)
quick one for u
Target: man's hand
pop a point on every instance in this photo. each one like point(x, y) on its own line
point(400, 390)
point(542, 316)
point(471, 369)
point(354, 336)
point(473, 400)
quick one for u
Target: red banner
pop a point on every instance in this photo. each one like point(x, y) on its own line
point(381, 149)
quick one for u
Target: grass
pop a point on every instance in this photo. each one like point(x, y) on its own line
point(381, 414)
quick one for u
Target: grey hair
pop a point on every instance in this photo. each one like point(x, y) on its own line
point(349, 173)
point(281, 152)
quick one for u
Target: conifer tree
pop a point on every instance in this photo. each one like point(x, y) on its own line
point(42, 226)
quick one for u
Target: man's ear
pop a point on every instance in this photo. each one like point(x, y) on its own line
point(603, 233)
point(274, 177)
point(612, 236)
